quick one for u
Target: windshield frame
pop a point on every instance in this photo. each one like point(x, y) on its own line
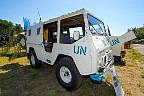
point(103, 30)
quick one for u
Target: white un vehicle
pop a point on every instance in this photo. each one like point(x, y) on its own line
point(76, 43)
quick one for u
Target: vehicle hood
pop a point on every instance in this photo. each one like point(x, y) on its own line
point(101, 42)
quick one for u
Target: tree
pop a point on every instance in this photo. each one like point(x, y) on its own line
point(18, 28)
point(11, 31)
point(8, 28)
point(5, 26)
point(139, 32)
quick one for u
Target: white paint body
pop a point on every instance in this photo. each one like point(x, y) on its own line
point(118, 47)
point(97, 47)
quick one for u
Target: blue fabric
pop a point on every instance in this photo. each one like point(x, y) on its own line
point(26, 23)
point(97, 77)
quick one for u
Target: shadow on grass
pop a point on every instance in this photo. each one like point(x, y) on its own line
point(120, 63)
point(22, 80)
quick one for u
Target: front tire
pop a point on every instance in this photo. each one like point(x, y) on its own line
point(35, 63)
point(68, 74)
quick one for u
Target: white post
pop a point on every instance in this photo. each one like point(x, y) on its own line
point(118, 88)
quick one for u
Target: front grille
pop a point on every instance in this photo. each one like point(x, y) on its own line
point(108, 57)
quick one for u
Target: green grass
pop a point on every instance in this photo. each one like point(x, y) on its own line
point(20, 80)
point(142, 74)
point(17, 78)
point(131, 75)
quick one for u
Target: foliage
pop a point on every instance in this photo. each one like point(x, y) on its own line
point(12, 50)
point(8, 28)
point(139, 32)
point(12, 31)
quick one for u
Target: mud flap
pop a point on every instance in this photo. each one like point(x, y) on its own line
point(118, 88)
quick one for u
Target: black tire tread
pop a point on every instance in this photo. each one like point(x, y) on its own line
point(76, 76)
point(38, 62)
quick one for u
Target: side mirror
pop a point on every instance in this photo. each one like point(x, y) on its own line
point(76, 35)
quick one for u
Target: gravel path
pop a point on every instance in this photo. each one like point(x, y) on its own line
point(140, 48)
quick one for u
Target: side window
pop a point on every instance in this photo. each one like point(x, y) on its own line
point(29, 32)
point(38, 30)
point(50, 32)
point(68, 26)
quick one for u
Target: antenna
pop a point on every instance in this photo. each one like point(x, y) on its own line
point(39, 15)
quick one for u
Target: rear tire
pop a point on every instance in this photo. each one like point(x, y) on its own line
point(35, 63)
point(68, 74)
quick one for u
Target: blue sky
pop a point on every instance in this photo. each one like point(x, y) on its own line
point(118, 14)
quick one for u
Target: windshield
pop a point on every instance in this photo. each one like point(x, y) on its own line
point(96, 26)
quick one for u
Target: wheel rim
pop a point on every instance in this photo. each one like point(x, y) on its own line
point(32, 60)
point(65, 74)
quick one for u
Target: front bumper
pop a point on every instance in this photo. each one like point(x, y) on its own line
point(100, 75)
